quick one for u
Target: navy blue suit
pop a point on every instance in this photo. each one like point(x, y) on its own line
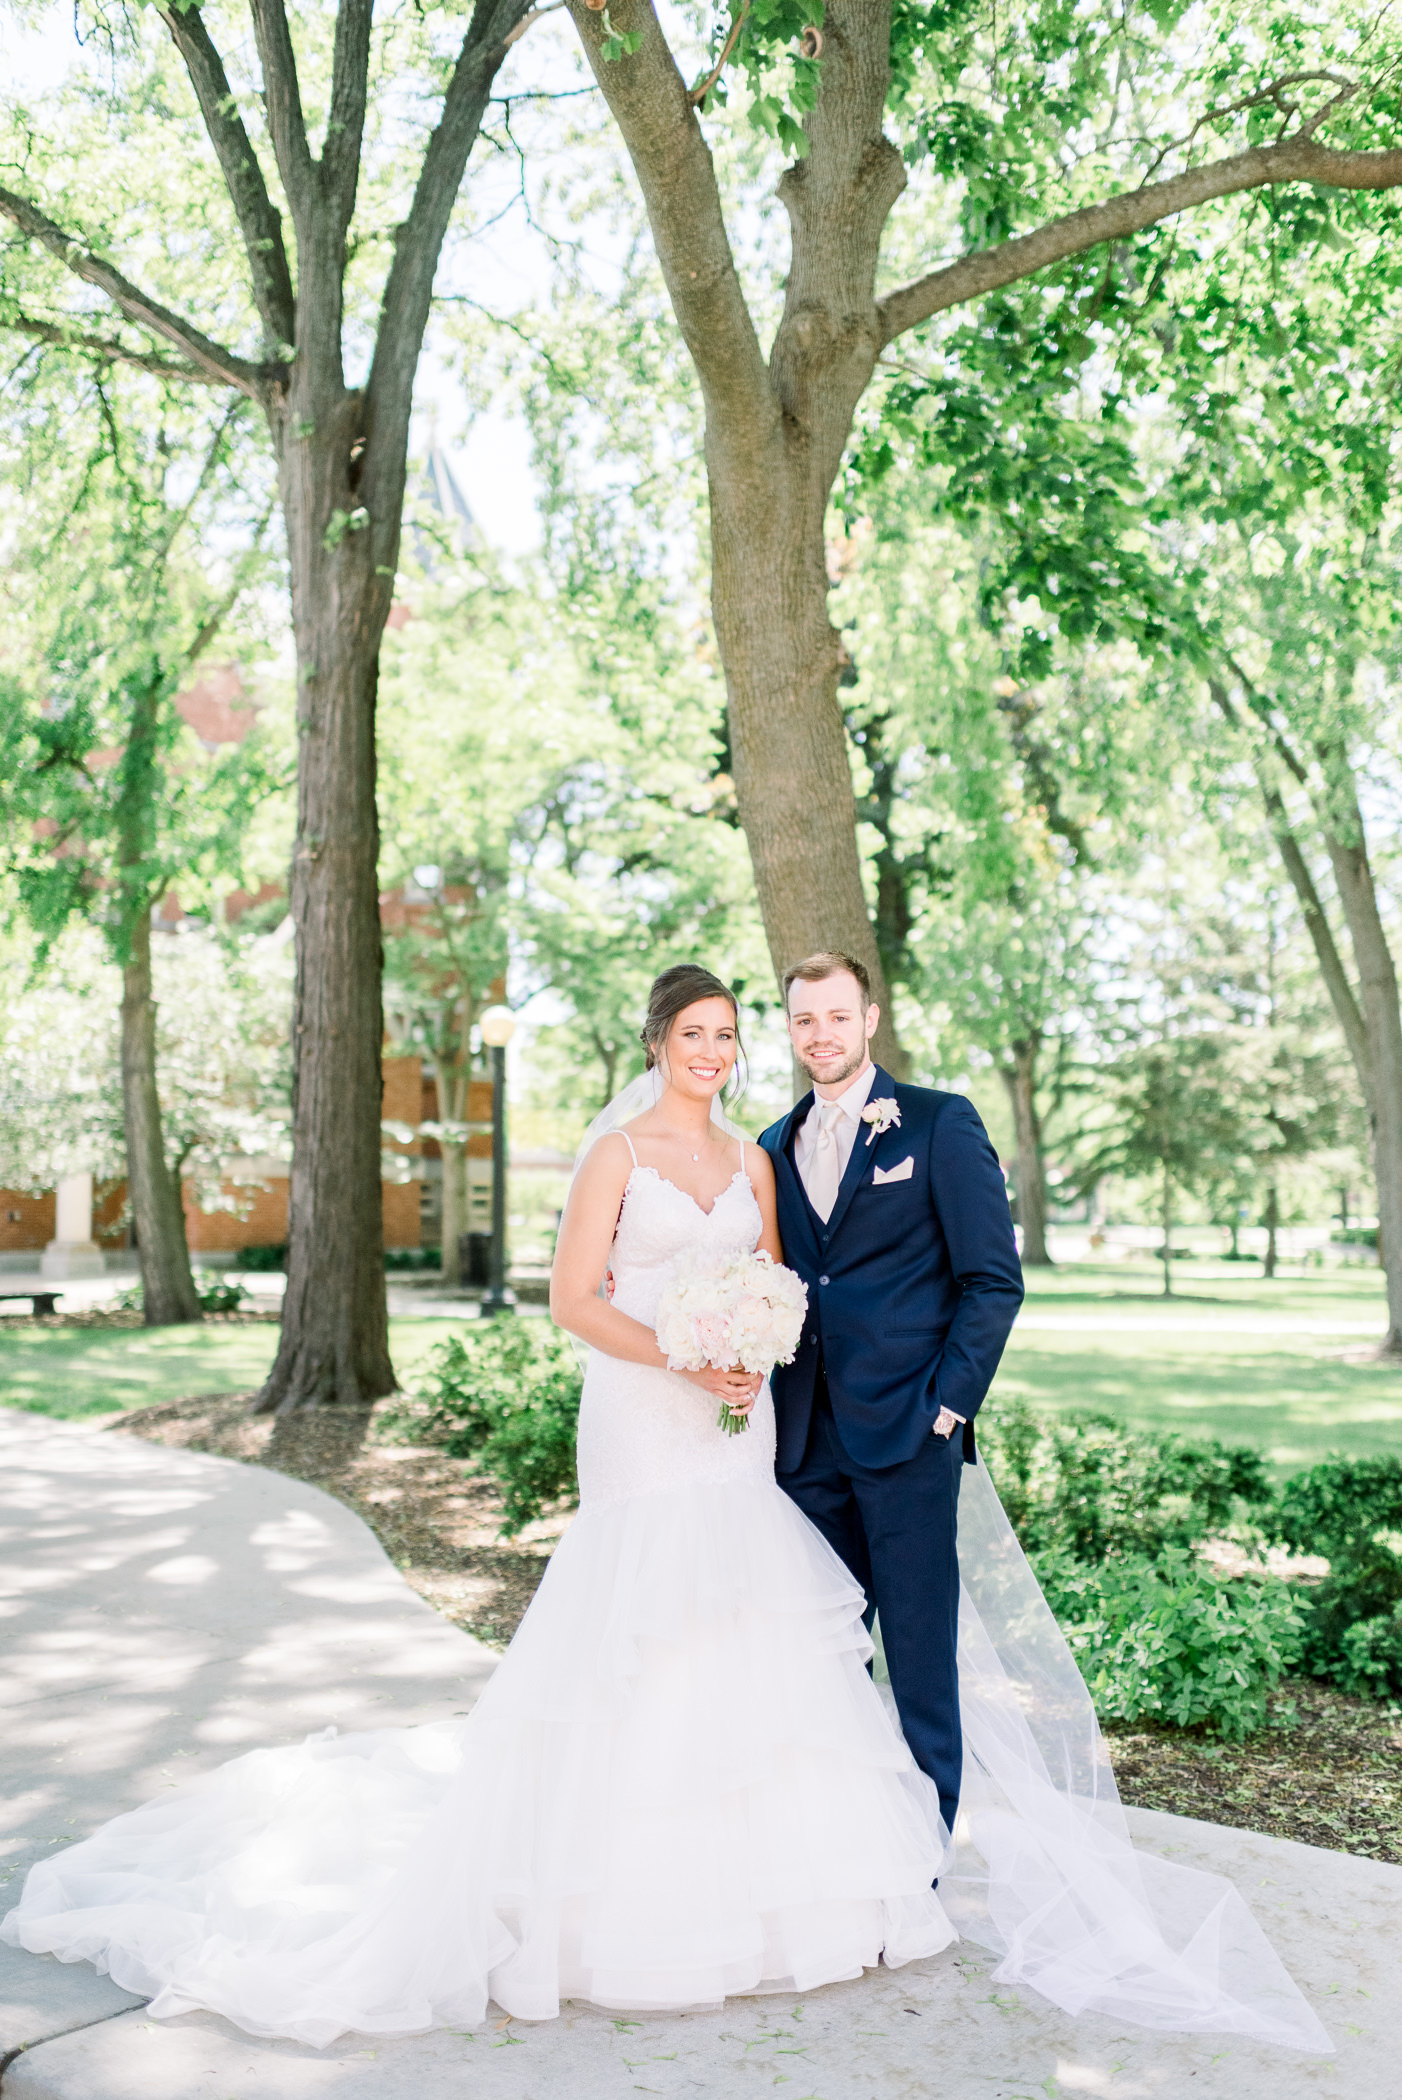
point(913, 1287)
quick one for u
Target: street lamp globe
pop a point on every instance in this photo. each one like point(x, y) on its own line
point(498, 1025)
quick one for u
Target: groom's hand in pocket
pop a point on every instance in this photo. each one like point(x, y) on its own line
point(946, 1422)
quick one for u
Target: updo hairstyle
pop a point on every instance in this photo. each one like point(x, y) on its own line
point(672, 992)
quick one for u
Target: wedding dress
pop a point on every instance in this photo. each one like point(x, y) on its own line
point(680, 1784)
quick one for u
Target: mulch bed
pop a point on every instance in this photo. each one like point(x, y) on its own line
point(1327, 1771)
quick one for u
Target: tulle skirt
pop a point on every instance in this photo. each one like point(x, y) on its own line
point(680, 1784)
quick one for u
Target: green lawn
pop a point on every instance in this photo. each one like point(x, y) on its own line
point(1230, 1355)
point(92, 1370)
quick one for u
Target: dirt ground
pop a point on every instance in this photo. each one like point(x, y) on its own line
point(1327, 1771)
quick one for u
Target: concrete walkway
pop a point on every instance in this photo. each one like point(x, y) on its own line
point(164, 1611)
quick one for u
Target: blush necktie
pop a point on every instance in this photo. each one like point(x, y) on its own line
point(824, 1174)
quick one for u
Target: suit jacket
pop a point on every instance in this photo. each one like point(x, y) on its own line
point(913, 1282)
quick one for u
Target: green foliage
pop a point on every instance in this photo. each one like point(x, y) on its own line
point(219, 1294)
point(263, 1261)
point(1167, 1640)
point(1110, 1517)
point(107, 797)
point(1350, 1511)
point(1088, 1489)
point(505, 1394)
point(618, 43)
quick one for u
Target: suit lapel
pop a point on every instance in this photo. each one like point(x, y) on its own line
point(863, 1154)
point(788, 1138)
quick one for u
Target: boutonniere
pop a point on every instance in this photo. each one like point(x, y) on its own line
point(881, 1115)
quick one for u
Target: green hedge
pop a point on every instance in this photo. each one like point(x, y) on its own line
point(1110, 1517)
point(1168, 1640)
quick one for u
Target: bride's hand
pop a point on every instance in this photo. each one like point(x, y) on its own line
point(738, 1389)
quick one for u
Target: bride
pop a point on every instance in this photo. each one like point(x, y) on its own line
point(681, 1782)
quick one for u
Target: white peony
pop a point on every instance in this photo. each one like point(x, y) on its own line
point(734, 1311)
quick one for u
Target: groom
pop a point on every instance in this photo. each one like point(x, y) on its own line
point(893, 1211)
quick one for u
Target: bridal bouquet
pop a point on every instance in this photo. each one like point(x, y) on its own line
point(735, 1311)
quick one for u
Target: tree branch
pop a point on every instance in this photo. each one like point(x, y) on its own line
point(1331, 964)
point(1295, 159)
point(214, 362)
point(282, 98)
point(104, 347)
point(1260, 707)
point(418, 244)
point(651, 106)
point(345, 124)
point(260, 222)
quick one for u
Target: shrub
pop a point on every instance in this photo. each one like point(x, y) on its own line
point(413, 1258)
point(263, 1261)
point(214, 1294)
point(1350, 1511)
point(219, 1293)
point(1106, 1513)
point(1169, 1640)
point(504, 1393)
point(1091, 1488)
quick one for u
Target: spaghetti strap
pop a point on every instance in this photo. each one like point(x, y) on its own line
point(742, 1152)
point(628, 1142)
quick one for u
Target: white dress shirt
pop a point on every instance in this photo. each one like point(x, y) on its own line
point(851, 1101)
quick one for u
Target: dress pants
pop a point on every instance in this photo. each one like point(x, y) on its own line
point(894, 1528)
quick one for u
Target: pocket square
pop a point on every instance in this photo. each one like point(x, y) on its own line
point(901, 1173)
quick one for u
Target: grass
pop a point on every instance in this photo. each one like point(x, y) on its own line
point(1281, 1365)
point(79, 1372)
point(1278, 1365)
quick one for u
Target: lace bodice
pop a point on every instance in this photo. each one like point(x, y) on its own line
point(642, 1431)
point(659, 1221)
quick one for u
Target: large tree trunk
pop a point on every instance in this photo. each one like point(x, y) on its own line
point(1377, 981)
point(454, 1158)
point(335, 1336)
point(1166, 1220)
point(1272, 1230)
point(168, 1293)
point(781, 652)
point(775, 436)
point(1020, 1079)
point(454, 1082)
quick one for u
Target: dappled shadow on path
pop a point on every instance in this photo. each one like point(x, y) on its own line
point(164, 1611)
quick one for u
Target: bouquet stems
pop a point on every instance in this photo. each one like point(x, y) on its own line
point(730, 1422)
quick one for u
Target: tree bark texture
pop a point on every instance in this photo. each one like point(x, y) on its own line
point(1378, 996)
point(775, 435)
point(454, 1185)
point(168, 1294)
point(334, 1345)
point(776, 429)
point(1166, 1218)
point(1020, 1079)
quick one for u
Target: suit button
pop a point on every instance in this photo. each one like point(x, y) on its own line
point(822, 1279)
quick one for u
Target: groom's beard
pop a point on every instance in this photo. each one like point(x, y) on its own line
point(848, 1070)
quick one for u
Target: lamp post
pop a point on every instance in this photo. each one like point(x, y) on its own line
point(498, 1025)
